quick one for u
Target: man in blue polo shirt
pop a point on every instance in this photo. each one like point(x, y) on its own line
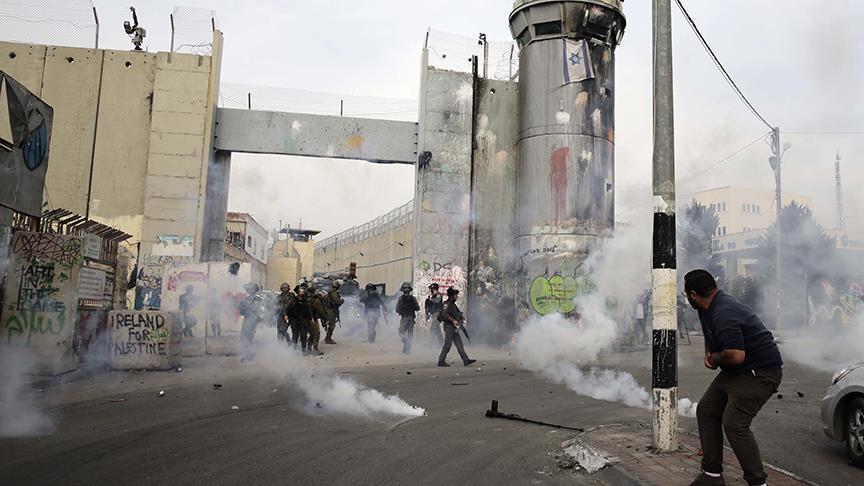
point(738, 343)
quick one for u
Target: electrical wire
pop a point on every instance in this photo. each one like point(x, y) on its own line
point(720, 66)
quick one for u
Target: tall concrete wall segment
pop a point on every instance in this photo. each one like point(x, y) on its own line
point(443, 180)
point(493, 260)
point(565, 188)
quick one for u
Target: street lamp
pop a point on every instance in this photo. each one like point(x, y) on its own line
point(776, 162)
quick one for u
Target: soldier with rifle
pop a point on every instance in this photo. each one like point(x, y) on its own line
point(334, 302)
point(407, 307)
point(453, 322)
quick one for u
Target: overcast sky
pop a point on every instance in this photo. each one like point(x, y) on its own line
point(799, 64)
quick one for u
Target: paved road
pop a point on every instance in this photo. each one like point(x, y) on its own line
point(192, 435)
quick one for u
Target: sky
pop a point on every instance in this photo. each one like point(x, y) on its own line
point(797, 65)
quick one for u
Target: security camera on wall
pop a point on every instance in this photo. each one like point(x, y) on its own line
point(136, 33)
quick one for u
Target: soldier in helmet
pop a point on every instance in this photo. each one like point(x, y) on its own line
point(300, 317)
point(319, 314)
point(281, 311)
point(433, 305)
point(453, 320)
point(373, 305)
point(334, 301)
point(252, 310)
point(407, 307)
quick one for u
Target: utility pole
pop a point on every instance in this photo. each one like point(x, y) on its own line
point(776, 161)
point(838, 190)
point(664, 344)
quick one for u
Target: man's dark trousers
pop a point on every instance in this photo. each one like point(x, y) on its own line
point(730, 404)
point(451, 335)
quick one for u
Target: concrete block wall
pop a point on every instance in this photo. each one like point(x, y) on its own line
point(442, 196)
point(143, 340)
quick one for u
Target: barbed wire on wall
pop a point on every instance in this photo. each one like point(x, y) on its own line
point(270, 98)
point(71, 23)
point(192, 30)
point(455, 52)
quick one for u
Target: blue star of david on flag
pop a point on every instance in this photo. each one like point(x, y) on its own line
point(576, 61)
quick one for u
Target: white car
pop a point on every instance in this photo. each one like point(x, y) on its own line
point(843, 411)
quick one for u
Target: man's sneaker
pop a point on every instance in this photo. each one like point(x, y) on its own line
point(443, 364)
point(705, 480)
point(470, 362)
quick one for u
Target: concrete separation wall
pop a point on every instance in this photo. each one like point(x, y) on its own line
point(494, 265)
point(143, 340)
point(442, 196)
point(41, 298)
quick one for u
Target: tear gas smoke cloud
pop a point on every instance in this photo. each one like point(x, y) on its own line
point(20, 414)
point(828, 350)
point(558, 348)
point(329, 393)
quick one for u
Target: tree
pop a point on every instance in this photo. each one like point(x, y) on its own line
point(697, 225)
point(805, 249)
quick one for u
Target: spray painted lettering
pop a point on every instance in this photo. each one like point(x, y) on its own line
point(139, 333)
point(557, 294)
point(44, 246)
point(22, 327)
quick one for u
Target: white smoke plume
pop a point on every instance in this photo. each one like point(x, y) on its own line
point(328, 393)
point(828, 349)
point(20, 413)
point(560, 349)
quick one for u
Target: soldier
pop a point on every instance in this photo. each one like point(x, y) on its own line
point(433, 305)
point(407, 307)
point(252, 311)
point(453, 320)
point(373, 305)
point(334, 302)
point(300, 317)
point(319, 314)
point(281, 311)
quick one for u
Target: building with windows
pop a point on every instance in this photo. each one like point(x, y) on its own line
point(742, 210)
point(246, 241)
point(291, 257)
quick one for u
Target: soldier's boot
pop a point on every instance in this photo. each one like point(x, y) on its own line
point(328, 339)
point(315, 351)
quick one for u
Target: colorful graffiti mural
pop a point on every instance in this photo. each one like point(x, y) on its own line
point(835, 300)
point(557, 294)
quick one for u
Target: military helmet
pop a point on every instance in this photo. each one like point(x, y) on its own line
point(433, 286)
point(284, 286)
point(451, 291)
point(336, 284)
point(251, 288)
point(406, 286)
point(370, 286)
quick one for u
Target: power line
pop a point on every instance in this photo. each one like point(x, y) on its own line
point(720, 65)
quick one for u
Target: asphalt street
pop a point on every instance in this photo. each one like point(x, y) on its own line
point(114, 428)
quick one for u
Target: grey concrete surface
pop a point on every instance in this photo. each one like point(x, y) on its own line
point(113, 428)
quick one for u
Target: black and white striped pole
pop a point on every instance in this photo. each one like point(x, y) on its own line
point(664, 344)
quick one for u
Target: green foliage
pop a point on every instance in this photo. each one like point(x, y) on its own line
point(697, 224)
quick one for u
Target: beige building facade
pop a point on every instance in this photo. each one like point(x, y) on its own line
point(742, 210)
point(381, 248)
point(291, 258)
point(246, 241)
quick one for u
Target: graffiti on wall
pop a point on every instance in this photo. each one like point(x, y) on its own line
point(557, 294)
point(41, 296)
point(446, 275)
point(173, 245)
point(142, 340)
point(148, 290)
point(836, 300)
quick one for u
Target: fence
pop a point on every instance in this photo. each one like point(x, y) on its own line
point(72, 23)
point(497, 60)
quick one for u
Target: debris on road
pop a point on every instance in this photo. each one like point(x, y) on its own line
point(800, 395)
point(459, 384)
point(161, 394)
point(407, 372)
point(179, 369)
point(779, 396)
point(235, 407)
point(216, 386)
point(118, 400)
point(494, 413)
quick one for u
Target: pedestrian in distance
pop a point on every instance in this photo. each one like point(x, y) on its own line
point(334, 301)
point(751, 369)
point(373, 306)
point(433, 305)
point(407, 307)
point(252, 310)
point(452, 321)
point(187, 302)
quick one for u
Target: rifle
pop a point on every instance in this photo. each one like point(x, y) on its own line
point(461, 327)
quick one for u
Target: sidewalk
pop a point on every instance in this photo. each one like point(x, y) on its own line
point(626, 448)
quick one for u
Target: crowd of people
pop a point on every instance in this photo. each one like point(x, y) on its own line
point(301, 313)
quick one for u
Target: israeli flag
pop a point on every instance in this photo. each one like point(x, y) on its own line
point(577, 61)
